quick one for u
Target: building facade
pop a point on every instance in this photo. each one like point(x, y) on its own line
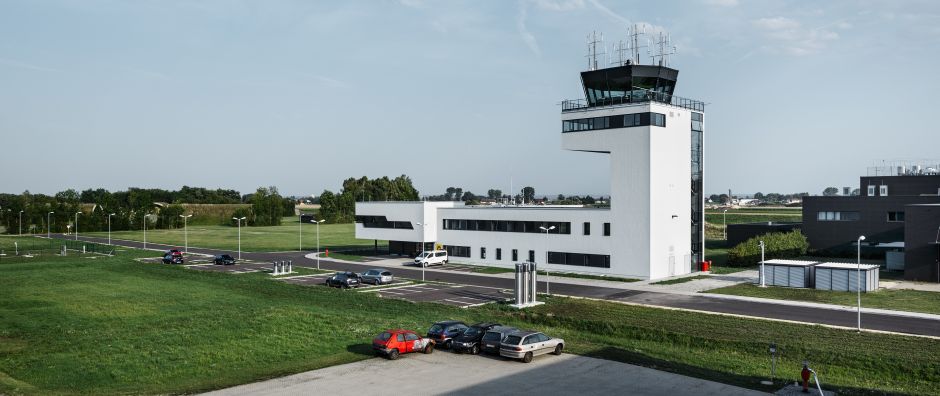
point(897, 215)
point(654, 227)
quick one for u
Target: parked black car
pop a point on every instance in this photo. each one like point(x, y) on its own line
point(444, 332)
point(223, 259)
point(494, 336)
point(344, 280)
point(469, 340)
point(173, 257)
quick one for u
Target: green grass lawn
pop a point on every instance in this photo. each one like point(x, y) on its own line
point(901, 300)
point(111, 325)
point(735, 218)
point(255, 239)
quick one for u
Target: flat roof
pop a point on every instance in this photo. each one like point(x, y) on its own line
point(865, 267)
point(526, 207)
point(795, 263)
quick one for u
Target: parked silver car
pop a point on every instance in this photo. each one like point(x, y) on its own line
point(377, 276)
point(525, 345)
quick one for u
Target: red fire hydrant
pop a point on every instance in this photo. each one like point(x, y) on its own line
point(805, 375)
point(327, 252)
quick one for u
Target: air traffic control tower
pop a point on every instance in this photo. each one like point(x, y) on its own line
point(655, 143)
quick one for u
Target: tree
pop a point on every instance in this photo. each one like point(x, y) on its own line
point(528, 194)
point(856, 192)
point(589, 200)
point(758, 195)
point(831, 191)
point(494, 194)
point(724, 198)
point(714, 198)
point(777, 245)
point(560, 198)
point(449, 194)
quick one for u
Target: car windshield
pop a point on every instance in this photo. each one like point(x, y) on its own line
point(471, 331)
point(435, 329)
point(385, 336)
point(513, 340)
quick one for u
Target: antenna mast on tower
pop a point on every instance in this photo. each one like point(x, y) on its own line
point(592, 42)
point(633, 42)
point(663, 48)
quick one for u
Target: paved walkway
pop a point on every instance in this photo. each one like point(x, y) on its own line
point(443, 372)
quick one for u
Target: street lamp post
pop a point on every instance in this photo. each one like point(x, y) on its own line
point(76, 224)
point(21, 223)
point(762, 246)
point(422, 248)
point(724, 221)
point(185, 233)
point(145, 230)
point(109, 227)
point(858, 281)
point(300, 233)
point(547, 279)
point(49, 225)
point(318, 240)
point(239, 219)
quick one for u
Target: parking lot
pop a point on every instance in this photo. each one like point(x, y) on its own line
point(457, 295)
point(319, 279)
point(443, 372)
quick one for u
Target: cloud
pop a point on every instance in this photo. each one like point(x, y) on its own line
point(412, 3)
point(609, 12)
point(27, 66)
point(559, 5)
point(524, 33)
point(788, 36)
point(722, 3)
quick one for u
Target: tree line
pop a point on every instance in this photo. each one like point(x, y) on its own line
point(341, 207)
point(162, 208)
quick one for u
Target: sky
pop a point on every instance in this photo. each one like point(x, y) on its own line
point(304, 94)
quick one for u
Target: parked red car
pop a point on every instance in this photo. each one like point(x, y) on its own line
point(393, 343)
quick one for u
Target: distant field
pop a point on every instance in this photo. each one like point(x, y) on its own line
point(110, 325)
point(745, 217)
point(255, 239)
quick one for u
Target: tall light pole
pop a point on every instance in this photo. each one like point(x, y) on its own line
point(318, 240)
point(239, 219)
point(21, 223)
point(858, 281)
point(724, 220)
point(145, 229)
point(109, 227)
point(49, 225)
point(300, 233)
point(547, 279)
point(762, 283)
point(185, 233)
point(76, 224)
point(422, 249)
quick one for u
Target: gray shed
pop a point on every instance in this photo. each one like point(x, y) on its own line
point(788, 273)
point(843, 277)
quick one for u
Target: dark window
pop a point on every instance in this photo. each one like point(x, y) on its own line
point(579, 259)
point(515, 255)
point(499, 254)
point(507, 226)
point(382, 222)
point(410, 337)
point(400, 337)
point(658, 119)
point(697, 119)
point(458, 251)
point(896, 216)
point(837, 216)
point(631, 120)
point(587, 228)
point(482, 252)
point(606, 229)
point(532, 256)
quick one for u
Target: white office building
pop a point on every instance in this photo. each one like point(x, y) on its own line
point(654, 227)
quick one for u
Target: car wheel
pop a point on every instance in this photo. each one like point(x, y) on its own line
point(558, 349)
point(393, 354)
point(527, 358)
point(429, 349)
point(475, 350)
point(448, 344)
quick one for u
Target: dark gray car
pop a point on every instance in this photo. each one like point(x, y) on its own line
point(493, 337)
point(377, 276)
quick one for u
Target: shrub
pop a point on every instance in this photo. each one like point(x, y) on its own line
point(777, 245)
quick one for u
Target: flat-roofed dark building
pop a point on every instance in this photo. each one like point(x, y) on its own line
point(921, 246)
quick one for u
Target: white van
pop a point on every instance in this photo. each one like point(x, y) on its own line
point(431, 257)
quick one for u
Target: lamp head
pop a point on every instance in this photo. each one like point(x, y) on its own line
point(861, 238)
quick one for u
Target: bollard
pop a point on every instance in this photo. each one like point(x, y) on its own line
point(520, 299)
point(64, 250)
point(290, 266)
point(274, 263)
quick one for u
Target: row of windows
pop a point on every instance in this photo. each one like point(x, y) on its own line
point(587, 228)
point(382, 222)
point(508, 226)
point(855, 216)
point(620, 121)
point(837, 216)
point(579, 259)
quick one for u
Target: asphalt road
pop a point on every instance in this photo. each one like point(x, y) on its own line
point(703, 302)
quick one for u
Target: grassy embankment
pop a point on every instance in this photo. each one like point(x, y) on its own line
point(111, 325)
point(285, 237)
point(901, 300)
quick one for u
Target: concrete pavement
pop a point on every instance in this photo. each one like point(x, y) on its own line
point(443, 372)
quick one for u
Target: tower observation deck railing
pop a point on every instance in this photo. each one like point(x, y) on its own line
point(638, 95)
